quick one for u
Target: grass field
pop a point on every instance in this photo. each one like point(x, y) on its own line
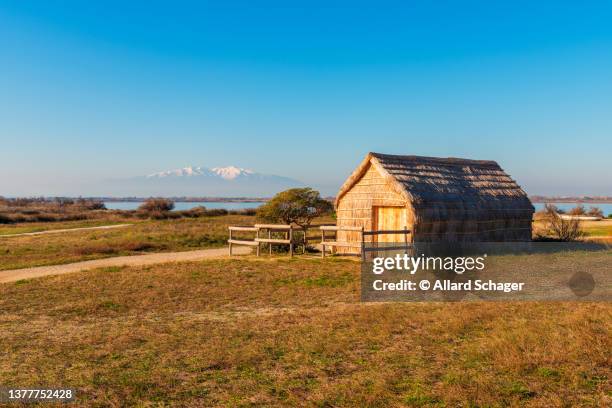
point(598, 228)
point(602, 228)
point(281, 332)
point(143, 236)
point(20, 228)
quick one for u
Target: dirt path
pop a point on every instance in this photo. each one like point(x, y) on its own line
point(58, 231)
point(134, 260)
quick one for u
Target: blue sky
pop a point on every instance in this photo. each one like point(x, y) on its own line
point(97, 90)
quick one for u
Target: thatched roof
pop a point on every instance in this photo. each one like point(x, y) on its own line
point(447, 184)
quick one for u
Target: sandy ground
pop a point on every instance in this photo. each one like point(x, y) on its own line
point(135, 260)
point(57, 231)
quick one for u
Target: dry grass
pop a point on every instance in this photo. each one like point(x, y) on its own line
point(164, 235)
point(145, 236)
point(590, 228)
point(261, 332)
point(25, 227)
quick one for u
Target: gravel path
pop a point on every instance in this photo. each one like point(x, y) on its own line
point(58, 231)
point(134, 260)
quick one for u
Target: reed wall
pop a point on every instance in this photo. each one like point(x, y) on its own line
point(355, 207)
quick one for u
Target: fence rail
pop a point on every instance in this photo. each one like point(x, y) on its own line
point(337, 228)
point(326, 242)
point(258, 240)
point(335, 243)
point(374, 233)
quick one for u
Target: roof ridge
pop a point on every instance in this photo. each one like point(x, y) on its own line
point(437, 160)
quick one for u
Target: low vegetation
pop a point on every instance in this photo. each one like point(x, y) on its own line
point(591, 212)
point(281, 332)
point(157, 205)
point(578, 210)
point(558, 228)
point(41, 210)
point(143, 236)
point(45, 210)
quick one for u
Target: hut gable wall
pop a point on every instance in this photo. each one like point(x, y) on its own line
point(354, 208)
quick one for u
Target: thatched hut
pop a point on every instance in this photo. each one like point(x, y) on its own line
point(438, 199)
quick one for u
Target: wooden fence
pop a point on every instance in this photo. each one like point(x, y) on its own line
point(261, 230)
point(258, 229)
point(362, 245)
point(231, 241)
point(335, 243)
point(376, 247)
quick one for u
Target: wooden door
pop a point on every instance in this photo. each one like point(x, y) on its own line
point(389, 218)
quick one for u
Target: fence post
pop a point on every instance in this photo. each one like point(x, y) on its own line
point(363, 256)
point(269, 243)
point(291, 241)
point(230, 243)
point(322, 243)
point(258, 243)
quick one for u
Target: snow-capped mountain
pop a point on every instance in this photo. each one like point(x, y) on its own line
point(231, 172)
point(185, 171)
point(230, 181)
point(227, 173)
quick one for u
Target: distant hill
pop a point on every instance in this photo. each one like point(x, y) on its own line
point(230, 181)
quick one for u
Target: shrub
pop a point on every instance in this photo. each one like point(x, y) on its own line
point(578, 210)
point(90, 204)
point(64, 202)
point(595, 212)
point(45, 218)
point(244, 211)
point(217, 211)
point(549, 207)
point(5, 219)
point(562, 229)
point(194, 212)
point(157, 205)
point(157, 215)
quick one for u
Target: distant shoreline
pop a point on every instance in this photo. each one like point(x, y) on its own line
point(534, 199)
point(571, 200)
point(142, 199)
point(187, 199)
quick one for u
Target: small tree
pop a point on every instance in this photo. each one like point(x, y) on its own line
point(295, 206)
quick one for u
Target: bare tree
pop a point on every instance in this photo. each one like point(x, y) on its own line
point(562, 229)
